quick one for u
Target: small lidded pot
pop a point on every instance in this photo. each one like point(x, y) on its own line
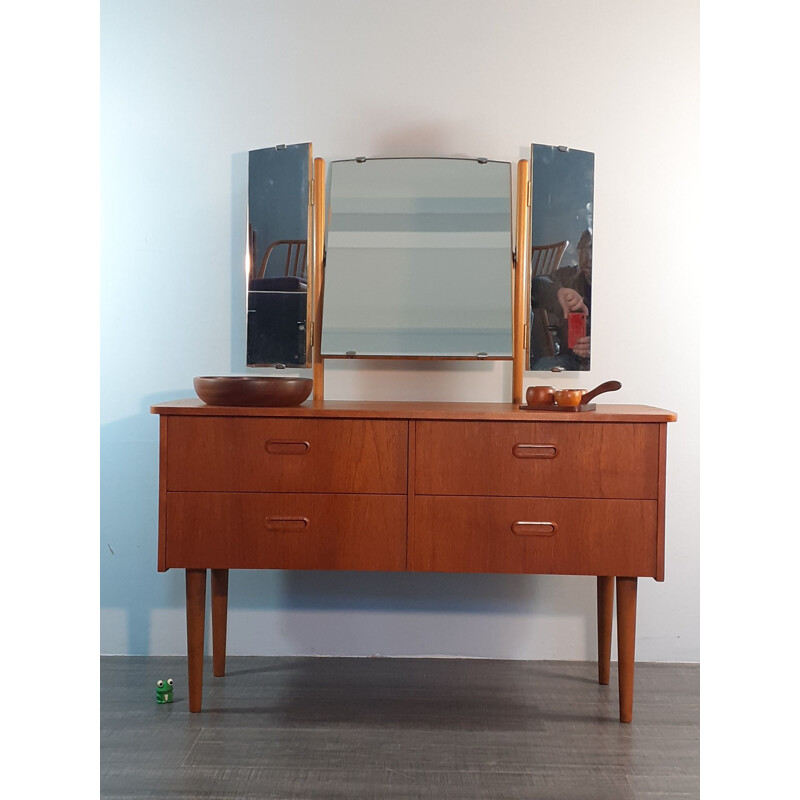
point(569, 397)
point(540, 396)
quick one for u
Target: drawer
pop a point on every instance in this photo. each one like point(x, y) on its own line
point(545, 459)
point(286, 455)
point(544, 536)
point(230, 530)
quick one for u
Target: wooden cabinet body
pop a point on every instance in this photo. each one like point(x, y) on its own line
point(443, 487)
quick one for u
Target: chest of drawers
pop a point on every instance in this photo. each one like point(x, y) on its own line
point(441, 487)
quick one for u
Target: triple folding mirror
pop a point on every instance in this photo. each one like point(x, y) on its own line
point(418, 259)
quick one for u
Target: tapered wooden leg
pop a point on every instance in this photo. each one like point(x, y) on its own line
point(626, 644)
point(605, 623)
point(219, 618)
point(195, 633)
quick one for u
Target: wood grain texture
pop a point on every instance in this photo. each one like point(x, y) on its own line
point(605, 622)
point(582, 459)
point(195, 634)
point(162, 493)
point(243, 530)
point(448, 487)
point(411, 498)
point(521, 289)
point(287, 455)
point(626, 643)
point(399, 409)
point(219, 618)
point(318, 198)
point(474, 534)
point(310, 261)
point(662, 498)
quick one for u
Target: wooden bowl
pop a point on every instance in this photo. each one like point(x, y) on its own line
point(540, 395)
point(252, 390)
point(569, 397)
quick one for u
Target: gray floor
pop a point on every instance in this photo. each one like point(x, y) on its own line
point(398, 728)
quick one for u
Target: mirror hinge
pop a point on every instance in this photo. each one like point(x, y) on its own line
point(311, 192)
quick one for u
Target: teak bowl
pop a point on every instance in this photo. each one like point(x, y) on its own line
point(569, 397)
point(540, 395)
point(253, 390)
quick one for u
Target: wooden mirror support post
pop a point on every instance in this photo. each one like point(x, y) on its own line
point(521, 309)
point(311, 281)
point(318, 201)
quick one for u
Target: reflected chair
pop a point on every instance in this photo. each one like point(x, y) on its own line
point(545, 258)
point(542, 342)
point(295, 265)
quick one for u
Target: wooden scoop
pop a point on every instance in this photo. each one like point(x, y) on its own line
point(608, 386)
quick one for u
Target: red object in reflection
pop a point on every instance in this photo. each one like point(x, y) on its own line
point(576, 328)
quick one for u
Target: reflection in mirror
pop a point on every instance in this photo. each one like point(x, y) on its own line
point(562, 201)
point(278, 255)
point(418, 259)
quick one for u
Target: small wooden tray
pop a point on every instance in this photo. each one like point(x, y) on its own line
point(556, 407)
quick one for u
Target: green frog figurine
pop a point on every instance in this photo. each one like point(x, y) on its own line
point(164, 691)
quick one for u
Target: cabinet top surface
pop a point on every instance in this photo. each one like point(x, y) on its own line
point(365, 409)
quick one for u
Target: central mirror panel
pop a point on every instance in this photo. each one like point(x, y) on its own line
point(418, 259)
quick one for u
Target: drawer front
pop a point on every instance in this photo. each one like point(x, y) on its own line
point(544, 459)
point(545, 536)
point(229, 530)
point(287, 455)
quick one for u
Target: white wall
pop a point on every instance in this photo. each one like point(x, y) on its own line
point(189, 86)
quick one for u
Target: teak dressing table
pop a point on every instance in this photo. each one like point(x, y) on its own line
point(417, 487)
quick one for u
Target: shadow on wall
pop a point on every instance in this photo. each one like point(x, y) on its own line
point(130, 586)
point(421, 140)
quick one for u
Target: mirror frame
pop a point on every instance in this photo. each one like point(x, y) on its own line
point(507, 354)
point(521, 343)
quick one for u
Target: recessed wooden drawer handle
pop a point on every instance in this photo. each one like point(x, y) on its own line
point(522, 528)
point(282, 447)
point(534, 450)
point(286, 523)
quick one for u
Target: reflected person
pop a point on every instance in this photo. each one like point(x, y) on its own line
point(564, 291)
